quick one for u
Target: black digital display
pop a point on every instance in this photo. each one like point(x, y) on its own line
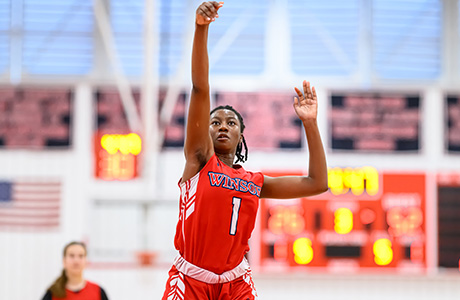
point(35, 118)
point(374, 122)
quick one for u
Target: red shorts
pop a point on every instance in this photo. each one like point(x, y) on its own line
point(180, 286)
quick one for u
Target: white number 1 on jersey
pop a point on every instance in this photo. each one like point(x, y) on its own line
point(236, 209)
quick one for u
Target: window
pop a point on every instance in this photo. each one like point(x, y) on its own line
point(173, 32)
point(458, 37)
point(4, 35)
point(242, 28)
point(407, 39)
point(127, 20)
point(324, 37)
point(57, 36)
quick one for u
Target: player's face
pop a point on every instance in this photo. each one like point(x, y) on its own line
point(75, 260)
point(225, 130)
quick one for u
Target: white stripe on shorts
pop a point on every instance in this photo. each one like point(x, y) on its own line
point(206, 276)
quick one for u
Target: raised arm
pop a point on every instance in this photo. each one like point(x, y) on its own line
point(198, 144)
point(283, 187)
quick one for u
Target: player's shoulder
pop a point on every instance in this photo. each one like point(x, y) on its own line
point(96, 289)
point(92, 285)
point(48, 295)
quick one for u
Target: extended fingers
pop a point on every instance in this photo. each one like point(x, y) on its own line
point(299, 93)
point(314, 93)
point(296, 101)
point(306, 89)
point(308, 95)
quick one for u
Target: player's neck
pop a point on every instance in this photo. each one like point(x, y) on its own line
point(75, 282)
point(227, 158)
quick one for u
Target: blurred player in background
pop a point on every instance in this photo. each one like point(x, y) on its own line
point(219, 199)
point(71, 285)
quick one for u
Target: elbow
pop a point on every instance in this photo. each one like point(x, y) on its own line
point(200, 88)
point(324, 186)
point(321, 187)
point(314, 186)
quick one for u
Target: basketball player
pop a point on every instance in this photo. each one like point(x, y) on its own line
point(71, 285)
point(219, 199)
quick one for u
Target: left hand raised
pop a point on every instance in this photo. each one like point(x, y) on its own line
point(306, 105)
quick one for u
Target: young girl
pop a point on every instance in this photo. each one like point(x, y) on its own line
point(219, 199)
point(71, 285)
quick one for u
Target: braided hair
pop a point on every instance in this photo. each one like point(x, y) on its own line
point(239, 148)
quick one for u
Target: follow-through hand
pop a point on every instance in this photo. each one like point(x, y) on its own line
point(207, 12)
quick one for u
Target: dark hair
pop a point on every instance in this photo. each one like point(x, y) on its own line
point(239, 148)
point(57, 289)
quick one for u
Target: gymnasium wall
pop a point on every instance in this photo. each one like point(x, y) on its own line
point(339, 47)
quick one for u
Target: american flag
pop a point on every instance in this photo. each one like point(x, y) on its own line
point(29, 205)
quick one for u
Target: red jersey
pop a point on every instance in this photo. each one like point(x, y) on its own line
point(91, 291)
point(218, 209)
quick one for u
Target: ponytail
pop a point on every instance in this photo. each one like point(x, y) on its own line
point(57, 289)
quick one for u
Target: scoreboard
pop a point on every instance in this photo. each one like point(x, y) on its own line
point(116, 156)
point(366, 220)
point(374, 122)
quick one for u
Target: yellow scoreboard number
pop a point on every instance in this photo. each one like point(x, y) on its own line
point(116, 156)
point(343, 220)
point(358, 180)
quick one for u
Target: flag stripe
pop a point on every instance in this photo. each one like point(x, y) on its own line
point(26, 225)
point(30, 213)
point(36, 199)
point(30, 205)
point(29, 219)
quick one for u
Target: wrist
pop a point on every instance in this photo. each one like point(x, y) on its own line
point(200, 25)
point(309, 122)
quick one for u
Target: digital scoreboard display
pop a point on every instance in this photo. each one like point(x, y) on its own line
point(366, 220)
point(452, 124)
point(449, 220)
point(35, 117)
point(374, 122)
point(116, 156)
